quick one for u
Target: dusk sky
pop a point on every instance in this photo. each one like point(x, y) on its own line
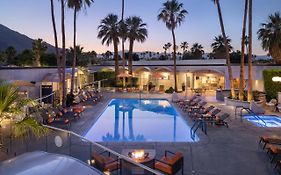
point(33, 18)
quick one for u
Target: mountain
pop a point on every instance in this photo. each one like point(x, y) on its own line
point(20, 42)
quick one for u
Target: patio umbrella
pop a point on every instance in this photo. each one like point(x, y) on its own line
point(124, 75)
point(21, 83)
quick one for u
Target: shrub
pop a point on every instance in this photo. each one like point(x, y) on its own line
point(271, 88)
point(170, 90)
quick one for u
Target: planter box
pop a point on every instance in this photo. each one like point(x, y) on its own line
point(232, 102)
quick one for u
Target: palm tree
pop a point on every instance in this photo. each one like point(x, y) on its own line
point(38, 48)
point(136, 32)
point(76, 5)
point(123, 31)
point(173, 14)
point(217, 2)
point(59, 61)
point(250, 65)
point(243, 44)
point(218, 47)
point(169, 46)
point(63, 59)
point(197, 50)
point(11, 105)
point(165, 47)
point(184, 47)
point(108, 32)
point(270, 36)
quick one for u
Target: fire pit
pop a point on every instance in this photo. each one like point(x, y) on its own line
point(138, 155)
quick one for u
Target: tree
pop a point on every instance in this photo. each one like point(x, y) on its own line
point(244, 42)
point(24, 58)
point(173, 14)
point(270, 36)
point(123, 31)
point(108, 33)
point(217, 2)
point(136, 32)
point(184, 47)
point(59, 58)
point(39, 47)
point(108, 54)
point(10, 54)
point(165, 47)
point(76, 5)
point(169, 45)
point(78, 51)
point(197, 51)
point(12, 105)
point(250, 60)
point(63, 59)
point(219, 50)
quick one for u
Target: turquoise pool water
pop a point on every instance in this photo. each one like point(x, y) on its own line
point(135, 120)
point(264, 120)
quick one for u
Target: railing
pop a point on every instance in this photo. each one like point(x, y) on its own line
point(196, 125)
point(250, 112)
point(66, 142)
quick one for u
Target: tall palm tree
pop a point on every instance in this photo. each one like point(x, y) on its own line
point(184, 47)
point(217, 2)
point(38, 48)
point(122, 33)
point(219, 49)
point(169, 45)
point(197, 50)
point(173, 14)
point(59, 61)
point(63, 59)
point(250, 65)
point(76, 5)
point(108, 32)
point(243, 44)
point(136, 32)
point(270, 36)
point(165, 47)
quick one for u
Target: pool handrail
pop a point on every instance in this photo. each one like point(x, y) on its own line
point(120, 156)
point(254, 114)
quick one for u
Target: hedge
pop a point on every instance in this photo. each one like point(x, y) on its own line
point(271, 88)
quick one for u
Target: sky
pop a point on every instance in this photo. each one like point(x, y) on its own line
point(33, 18)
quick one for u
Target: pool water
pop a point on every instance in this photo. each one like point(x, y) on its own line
point(135, 120)
point(265, 120)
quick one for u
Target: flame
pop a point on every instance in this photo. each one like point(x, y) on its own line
point(138, 154)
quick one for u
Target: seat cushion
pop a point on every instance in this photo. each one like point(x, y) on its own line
point(274, 149)
point(111, 166)
point(163, 167)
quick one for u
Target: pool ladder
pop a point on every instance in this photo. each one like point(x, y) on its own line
point(196, 125)
point(249, 112)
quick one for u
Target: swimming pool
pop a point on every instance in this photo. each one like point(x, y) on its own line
point(264, 120)
point(135, 120)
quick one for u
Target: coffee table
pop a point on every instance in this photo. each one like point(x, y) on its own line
point(132, 169)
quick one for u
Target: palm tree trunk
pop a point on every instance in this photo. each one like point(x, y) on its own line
point(63, 54)
point(74, 51)
point(115, 45)
point(227, 50)
point(131, 57)
point(56, 46)
point(250, 71)
point(241, 83)
point(123, 39)
point(175, 60)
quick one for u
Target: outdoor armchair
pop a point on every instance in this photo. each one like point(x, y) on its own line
point(105, 162)
point(170, 163)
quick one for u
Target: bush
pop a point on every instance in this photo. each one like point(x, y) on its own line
point(170, 90)
point(110, 76)
point(271, 88)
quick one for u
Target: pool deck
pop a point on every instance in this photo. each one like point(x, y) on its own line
point(224, 151)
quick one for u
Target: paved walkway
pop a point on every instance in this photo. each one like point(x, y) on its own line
point(224, 151)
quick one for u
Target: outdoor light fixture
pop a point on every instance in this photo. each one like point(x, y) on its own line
point(276, 79)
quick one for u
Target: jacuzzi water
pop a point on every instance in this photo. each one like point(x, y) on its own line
point(264, 120)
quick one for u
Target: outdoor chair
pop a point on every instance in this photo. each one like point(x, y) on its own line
point(170, 164)
point(198, 113)
point(220, 120)
point(273, 152)
point(183, 101)
point(272, 140)
point(211, 115)
point(272, 104)
point(105, 162)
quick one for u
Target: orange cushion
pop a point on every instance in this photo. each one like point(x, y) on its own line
point(274, 149)
point(163, 167)
point(111, 166)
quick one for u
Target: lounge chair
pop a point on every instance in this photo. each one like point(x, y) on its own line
point(203, 111)
point(273, 140)
point(256, 109)
point(273, 152)
point(272, 104)
point(105, 162)
point(211, 115)
point(170, 164)
point(220, 120)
